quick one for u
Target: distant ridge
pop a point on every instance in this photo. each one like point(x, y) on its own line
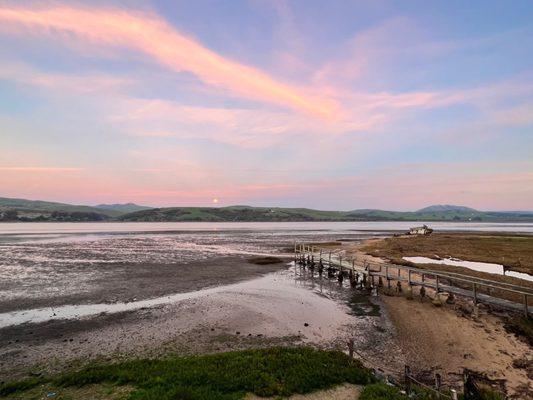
point(23, 210)
point(446, 207)
point(123, 208)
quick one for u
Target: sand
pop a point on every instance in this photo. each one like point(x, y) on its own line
point(444, 341)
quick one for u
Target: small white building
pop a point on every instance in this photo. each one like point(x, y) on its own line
point(420, 230)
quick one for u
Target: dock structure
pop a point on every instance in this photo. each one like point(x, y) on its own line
point(370, 275)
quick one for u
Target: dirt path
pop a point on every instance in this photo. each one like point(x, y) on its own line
point(342, 392)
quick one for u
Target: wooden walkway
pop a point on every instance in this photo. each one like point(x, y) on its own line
point(365, 274)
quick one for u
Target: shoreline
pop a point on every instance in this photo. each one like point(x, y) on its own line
point(261, 312)
point(288, 308)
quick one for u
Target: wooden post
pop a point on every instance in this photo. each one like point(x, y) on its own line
point(526, 307)
point(407, 378)
point(409, 276)
point(437, 283)
point(474, 288)
point(437, 384)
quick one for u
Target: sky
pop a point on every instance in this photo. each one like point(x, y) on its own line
point(335, 105)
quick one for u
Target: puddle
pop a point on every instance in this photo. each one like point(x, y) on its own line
point(473, 265)
point(361, 306)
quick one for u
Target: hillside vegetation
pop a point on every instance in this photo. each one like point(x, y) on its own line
point(273, 214)
point(13, 210)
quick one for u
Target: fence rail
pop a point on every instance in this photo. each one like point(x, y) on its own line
point(494, 293)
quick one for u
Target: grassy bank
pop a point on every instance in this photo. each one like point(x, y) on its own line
point(266, 372)
point(513, 251)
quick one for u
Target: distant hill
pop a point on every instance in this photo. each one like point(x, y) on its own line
point(446, 207)
point(122, 208)
point(239, 213)
point(233, 213)
point(34, 210)
point(37, 210)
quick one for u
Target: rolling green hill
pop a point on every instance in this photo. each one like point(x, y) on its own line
point(31, 210)
point(240, 213)
point(36, 210)
point(122, 208)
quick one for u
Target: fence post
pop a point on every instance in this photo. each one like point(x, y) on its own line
point(407, 379)
point(454, 394)
point(475, 293)
point(526, 307)
point(437, 283)
point(437, 384)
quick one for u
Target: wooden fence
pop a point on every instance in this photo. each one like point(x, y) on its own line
point(372, 274)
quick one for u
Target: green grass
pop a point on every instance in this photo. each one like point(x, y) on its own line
point(381, 391)
point(278, 371)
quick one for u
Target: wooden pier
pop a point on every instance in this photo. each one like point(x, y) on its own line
point(364, 274)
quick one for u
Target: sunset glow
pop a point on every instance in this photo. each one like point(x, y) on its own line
point(357, 105)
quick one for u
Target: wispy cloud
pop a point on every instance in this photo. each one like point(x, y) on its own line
point(40, 169)
point(153, 36)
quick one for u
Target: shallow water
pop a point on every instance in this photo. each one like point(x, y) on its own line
point(497, 269)
point(44, 262)
point(37, 228)
point(296, 281)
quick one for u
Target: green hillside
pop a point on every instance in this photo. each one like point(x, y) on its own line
point(240, 213)
point(36, 210)
point(236, 213)
point(31, 210)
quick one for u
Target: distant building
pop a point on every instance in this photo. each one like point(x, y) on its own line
point(420, 230)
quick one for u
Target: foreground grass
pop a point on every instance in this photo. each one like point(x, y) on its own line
point(265, 372)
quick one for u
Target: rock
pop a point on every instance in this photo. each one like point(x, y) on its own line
point(306, 324)
point(437, 302)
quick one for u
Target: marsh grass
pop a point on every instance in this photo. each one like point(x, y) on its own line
point(512, 250)
point(278, 371)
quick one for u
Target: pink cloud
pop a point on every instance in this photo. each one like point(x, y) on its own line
point(156, 38)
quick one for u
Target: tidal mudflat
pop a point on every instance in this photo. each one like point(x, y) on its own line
point(68, 297)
